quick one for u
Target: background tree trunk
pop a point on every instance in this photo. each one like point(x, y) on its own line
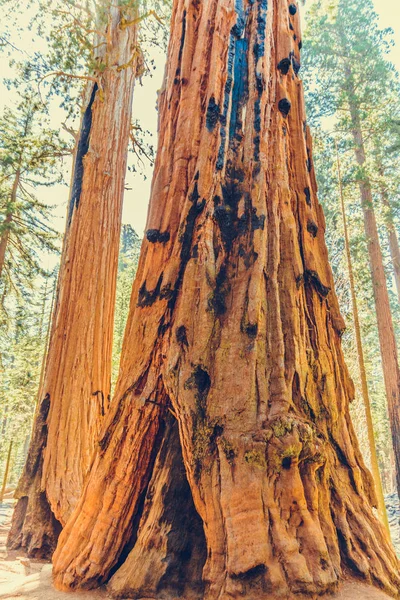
point(393, 241)
point(361, 362)
point(387, 340)
point(77, 376)
point(233, 322)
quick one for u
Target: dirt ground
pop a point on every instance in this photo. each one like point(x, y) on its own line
point(25, 579)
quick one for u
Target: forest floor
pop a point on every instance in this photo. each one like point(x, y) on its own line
point(27, 579)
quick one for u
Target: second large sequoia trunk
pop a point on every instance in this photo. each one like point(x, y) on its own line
point(235, 328)
point(74, 394)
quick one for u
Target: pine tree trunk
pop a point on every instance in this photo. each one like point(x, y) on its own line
point(234, 323)
point(361, 362)
point(393, 241)
point(77, 374)
point(387, 340)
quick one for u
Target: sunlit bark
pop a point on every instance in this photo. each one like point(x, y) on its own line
point(77, 376)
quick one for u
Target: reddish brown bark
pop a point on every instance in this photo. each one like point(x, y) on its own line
point(169, 551)
point(77, 375)
point(235, 325)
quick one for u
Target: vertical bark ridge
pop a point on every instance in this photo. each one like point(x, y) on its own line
point(235, 310)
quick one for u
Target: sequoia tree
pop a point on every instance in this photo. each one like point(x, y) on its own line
point(75, 390)
point(234, 331)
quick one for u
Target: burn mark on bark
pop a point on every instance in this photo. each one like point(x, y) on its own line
point(258, 52)
point(83, 147)
point(312, 228)
point(257, 128)
point(284, 66)
point(296, 65)
point(307, 193)
point(251, 329)
point(284, 107)
point(39, 439)
point(217, 301)
point(226, 213)
point(238, 28)
point(240, 86)
point(257, 222)
point(213, 113)
point(148, 297)
point(200, 381)
point(236, 85)
point(259, 46)
point(309, 160)
point(101, 394)
point(227, 93)
point(155, 235)
point(313, 278)
point(181, 337)
point(255, 572)
point(183, 35)
point(186, 241)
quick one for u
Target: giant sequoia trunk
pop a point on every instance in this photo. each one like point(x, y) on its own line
point(76, 382)
point(235, 328)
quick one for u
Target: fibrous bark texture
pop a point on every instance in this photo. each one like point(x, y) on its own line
point(235, 327)
point(32, 508)
point(169, 552)
point(77, 375)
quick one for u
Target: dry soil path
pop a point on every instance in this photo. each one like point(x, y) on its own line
point(25, 579)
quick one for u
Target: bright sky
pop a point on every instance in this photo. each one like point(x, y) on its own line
point(136, 198)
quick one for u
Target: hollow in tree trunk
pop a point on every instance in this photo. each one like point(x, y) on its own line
point(77, 376)
point(235, 327)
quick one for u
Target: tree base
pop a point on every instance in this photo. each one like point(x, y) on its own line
point(170, 551)
point(34, 527)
